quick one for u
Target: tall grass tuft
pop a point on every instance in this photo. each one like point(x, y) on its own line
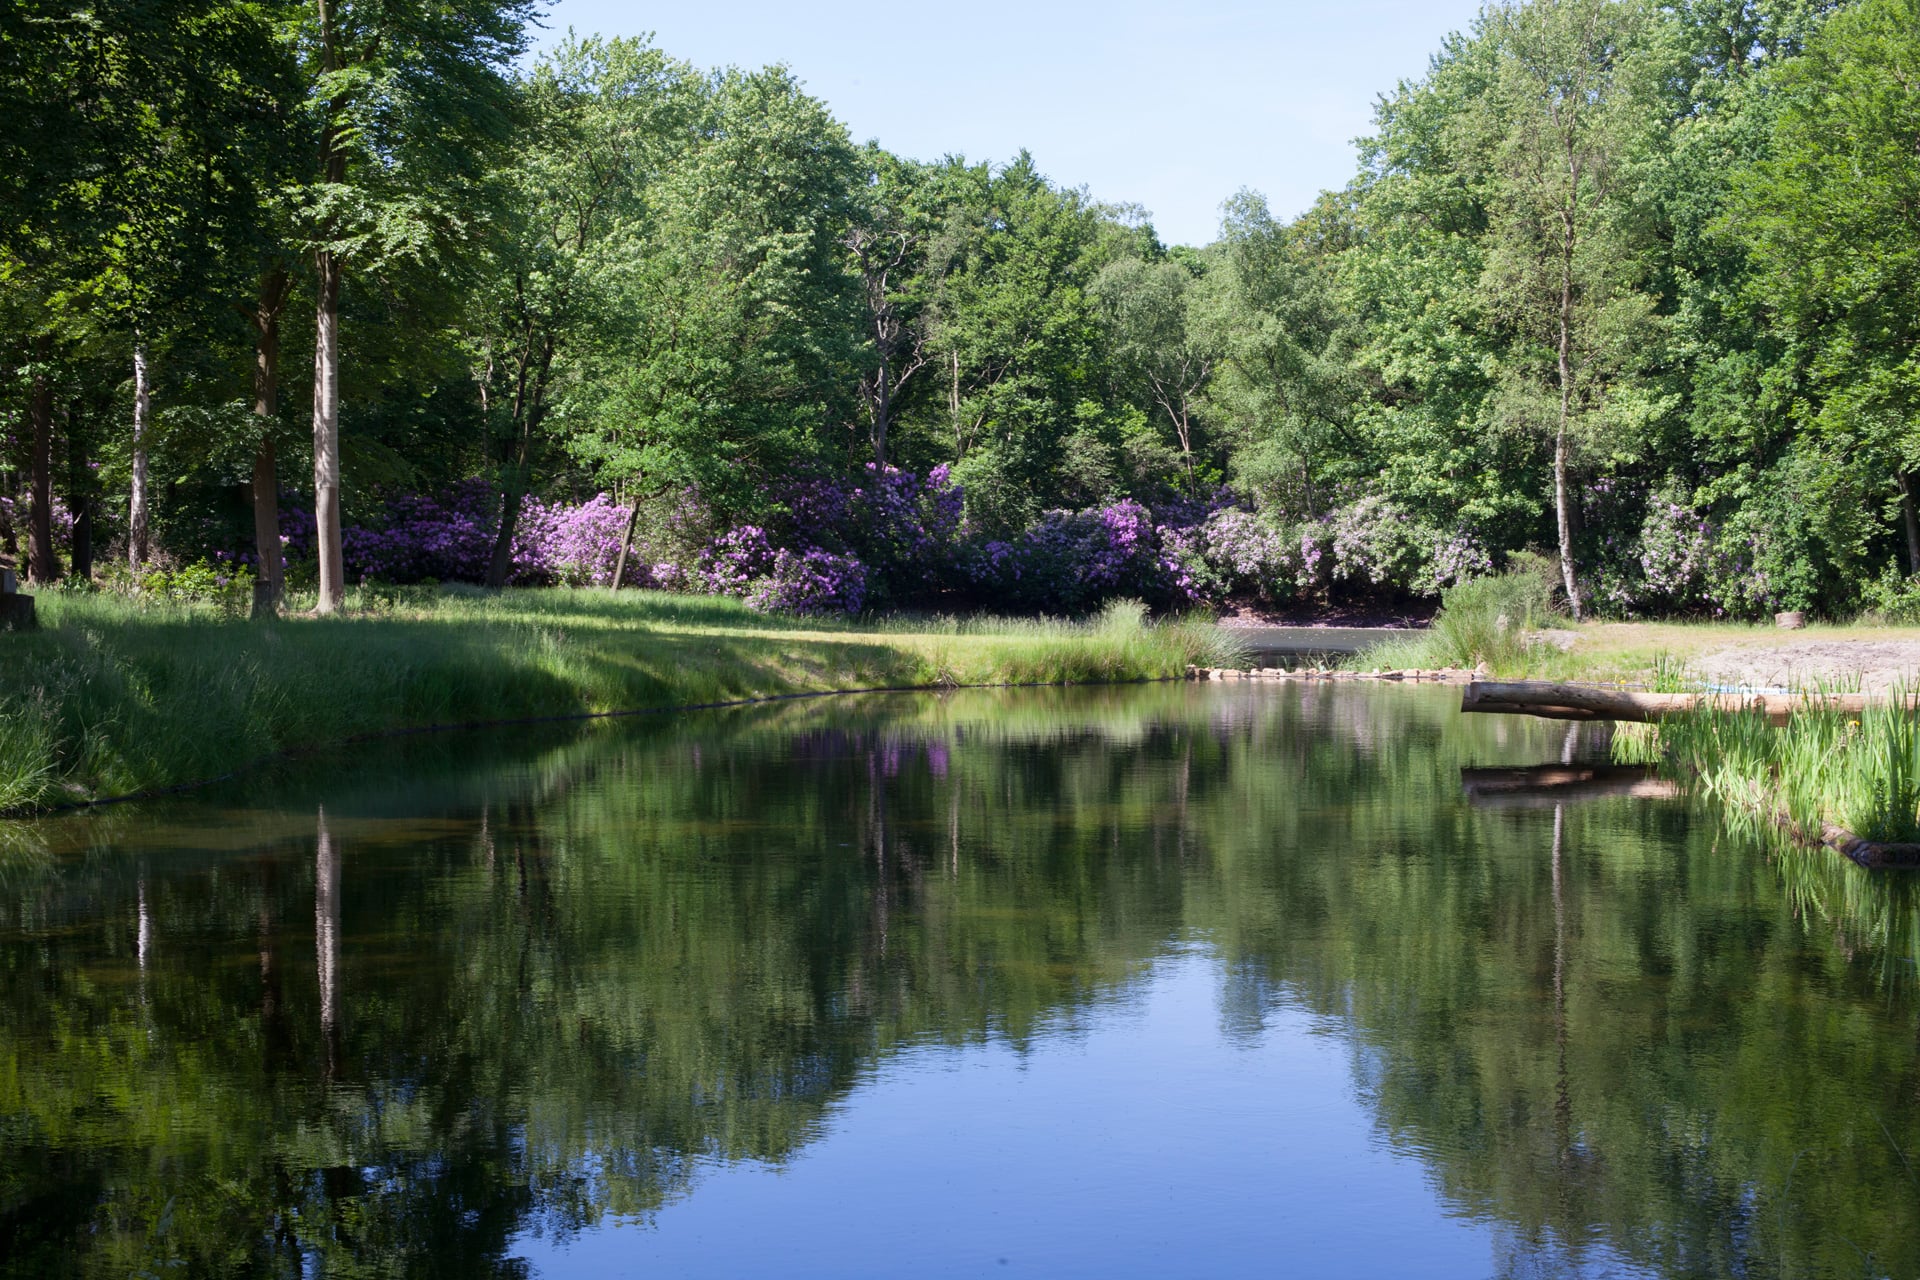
point(1482, 622)
point(1824, 768)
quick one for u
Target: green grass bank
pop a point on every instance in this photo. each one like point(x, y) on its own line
point(115, 696)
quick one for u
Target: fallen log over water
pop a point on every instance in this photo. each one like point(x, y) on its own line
point(1556, 701)
point(1550, 784)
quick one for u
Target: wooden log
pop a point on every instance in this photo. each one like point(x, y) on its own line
point(1555, 701)
point(1874, 855)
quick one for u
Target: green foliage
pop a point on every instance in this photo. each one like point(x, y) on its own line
point(1892, 598)
point(226, 586)
point(1672, 238)
point(1483, 621)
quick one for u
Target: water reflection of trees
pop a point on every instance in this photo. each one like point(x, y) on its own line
point(557, 985)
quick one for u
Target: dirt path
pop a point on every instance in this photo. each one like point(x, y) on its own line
point(1872, 659)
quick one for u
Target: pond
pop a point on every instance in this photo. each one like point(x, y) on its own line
point(1161, 980)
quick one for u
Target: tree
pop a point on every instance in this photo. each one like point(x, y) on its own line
point(891, 231)
point(1833, 220)
point(1144, 307)
point(604, 119)
point(1566, 110)
point(1281, 390)
point(739, 353)
point(410, 103)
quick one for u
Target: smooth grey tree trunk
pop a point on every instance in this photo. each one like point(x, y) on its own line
point(1562, 500)
point(137, 504)
point(42, 565)
point(1911, 519)
point(326, 435)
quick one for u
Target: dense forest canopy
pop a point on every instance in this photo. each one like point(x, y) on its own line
point(1629, 290)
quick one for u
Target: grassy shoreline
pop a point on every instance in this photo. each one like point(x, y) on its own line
point(1846, 779)
point(114, 698)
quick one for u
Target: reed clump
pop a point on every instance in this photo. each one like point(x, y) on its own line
point(115, 696)
point(1483, 622)
point(1824, 769)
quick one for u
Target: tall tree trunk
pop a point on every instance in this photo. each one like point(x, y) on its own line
point(42, 566)
point(1563, 517)
point(79, 495)
point(137, 503)
point(1911, 519)
point(529, 407)
point(264, 490)
point(326, 352)
point(326, 435)
point(882, 411)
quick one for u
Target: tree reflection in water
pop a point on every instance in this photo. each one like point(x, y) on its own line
point(509, 984)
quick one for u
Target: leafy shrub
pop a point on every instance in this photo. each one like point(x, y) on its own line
point(903, 528)
point(743, 562)
point(1891, 598)
point(1244, 555)
point(1071, 561)
point(219, 582)
point(815, 581)
point(1373, 547)
point(573, 545)
point(1456, 559)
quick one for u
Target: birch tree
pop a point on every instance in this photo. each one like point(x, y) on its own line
point(1565, 113)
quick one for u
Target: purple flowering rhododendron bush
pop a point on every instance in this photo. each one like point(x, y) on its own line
point(889, 537)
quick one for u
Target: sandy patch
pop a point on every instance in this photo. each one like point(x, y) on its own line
point(1874, 666)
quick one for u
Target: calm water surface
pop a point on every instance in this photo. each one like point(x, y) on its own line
point(1163, 981)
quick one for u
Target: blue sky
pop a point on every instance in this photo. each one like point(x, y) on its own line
point(1170, 107)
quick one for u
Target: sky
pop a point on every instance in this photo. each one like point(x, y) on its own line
point(1173, 108)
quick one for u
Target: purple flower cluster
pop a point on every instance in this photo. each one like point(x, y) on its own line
point(1248, 556)
point(1071, 561)
point(1373, 542)
point(904, 529)
point(1680, 561)
point(16, 513)
point(573, 546)
point(1455, 560)
point(446, 537)
point(744, 562)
